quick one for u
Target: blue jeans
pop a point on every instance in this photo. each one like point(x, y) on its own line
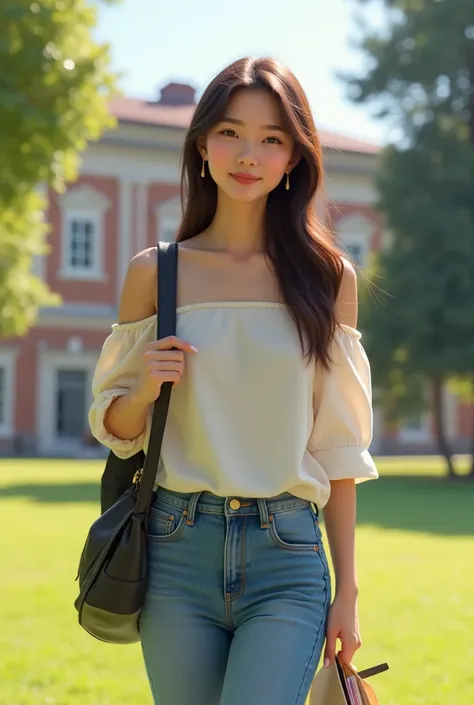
point(237, 600)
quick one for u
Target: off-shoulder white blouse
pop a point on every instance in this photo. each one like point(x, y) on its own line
point(250, 417)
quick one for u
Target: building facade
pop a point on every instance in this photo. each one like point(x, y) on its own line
point(125, 199)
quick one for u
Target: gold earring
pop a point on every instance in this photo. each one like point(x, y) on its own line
point(287, 185)
point(203, 170)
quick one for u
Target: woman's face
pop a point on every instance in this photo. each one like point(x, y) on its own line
point(248, 152)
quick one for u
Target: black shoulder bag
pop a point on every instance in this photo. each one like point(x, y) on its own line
point(113, 565)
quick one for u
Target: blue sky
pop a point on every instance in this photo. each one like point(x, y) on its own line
point(154, 42)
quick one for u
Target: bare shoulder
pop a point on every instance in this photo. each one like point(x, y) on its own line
point(347, 300)
point(138, 297)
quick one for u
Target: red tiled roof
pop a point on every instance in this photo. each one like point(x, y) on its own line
point(149, 113)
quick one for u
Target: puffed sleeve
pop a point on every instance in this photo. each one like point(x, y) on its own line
point(115, 373)
point(343, 416)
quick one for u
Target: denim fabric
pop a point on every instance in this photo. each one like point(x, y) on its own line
point(237, 600)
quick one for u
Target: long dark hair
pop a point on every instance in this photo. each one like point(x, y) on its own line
point(306, 262)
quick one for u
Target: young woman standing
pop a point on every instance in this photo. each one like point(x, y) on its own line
point(270, 418)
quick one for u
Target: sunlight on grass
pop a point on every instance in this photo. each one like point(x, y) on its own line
point(416, 563)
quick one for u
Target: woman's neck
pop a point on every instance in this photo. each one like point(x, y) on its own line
point(237, 227)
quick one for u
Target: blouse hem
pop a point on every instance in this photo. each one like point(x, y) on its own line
point(346, 463)
point(122, 447)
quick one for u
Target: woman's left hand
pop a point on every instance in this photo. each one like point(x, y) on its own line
point(343, 624)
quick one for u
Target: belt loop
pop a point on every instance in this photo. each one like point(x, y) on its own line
point(190, 512)
point(263, 509)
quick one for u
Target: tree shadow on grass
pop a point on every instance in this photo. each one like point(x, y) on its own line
point(54, 493)
point(406, 502)
point(418, 503)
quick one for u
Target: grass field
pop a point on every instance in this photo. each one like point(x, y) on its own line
point(416, 572)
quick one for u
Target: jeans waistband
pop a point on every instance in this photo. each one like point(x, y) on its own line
point(207, 502)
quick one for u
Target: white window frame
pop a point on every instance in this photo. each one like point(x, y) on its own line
point(96, 271)
point(7, 363)
point(85, 203)
point(356, 230)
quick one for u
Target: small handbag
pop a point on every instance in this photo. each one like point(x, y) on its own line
point(113, 565)
point(341, 684)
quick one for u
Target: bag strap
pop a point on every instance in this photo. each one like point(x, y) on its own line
point(167, 265)
point(375, 670)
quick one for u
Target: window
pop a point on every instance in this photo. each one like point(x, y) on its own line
point(415, 428)
point(414, 423)
point(81, 245)
point(356, 252)
point(83, 233)
point(356, 247)
point(355, 234)
point(82, 238)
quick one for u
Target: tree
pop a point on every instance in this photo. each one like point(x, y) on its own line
point(398, 390)
point(55, 85)
point(422, 77)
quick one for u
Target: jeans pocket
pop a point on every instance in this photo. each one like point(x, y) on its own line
point(164, 524)
point(295, 529)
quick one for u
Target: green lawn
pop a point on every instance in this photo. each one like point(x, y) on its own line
point(416, 571)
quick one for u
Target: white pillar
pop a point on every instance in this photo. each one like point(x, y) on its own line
point(124, 250)
point(141, 215)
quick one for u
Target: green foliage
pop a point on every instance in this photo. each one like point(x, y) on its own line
point(422, 63)
point(55, 85)
point(430, 268)
point(463, 387)
point(21, 238)
point(421, 75)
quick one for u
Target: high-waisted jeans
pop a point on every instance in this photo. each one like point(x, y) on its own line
point(237, 600)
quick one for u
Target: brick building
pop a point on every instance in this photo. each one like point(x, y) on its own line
point(127, 197)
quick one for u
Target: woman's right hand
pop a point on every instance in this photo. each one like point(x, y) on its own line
point(163, 361)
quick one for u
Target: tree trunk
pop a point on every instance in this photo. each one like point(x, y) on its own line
point(443, 445)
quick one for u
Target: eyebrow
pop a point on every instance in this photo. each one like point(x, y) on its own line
point(234, 121)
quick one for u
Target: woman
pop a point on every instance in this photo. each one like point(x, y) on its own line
point(270, 417)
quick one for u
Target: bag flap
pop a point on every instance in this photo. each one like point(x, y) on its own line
point(326, 688)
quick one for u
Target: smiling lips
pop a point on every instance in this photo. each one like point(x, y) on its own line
point(245, 179)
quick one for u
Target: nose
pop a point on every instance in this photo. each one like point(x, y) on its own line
point(247, 158)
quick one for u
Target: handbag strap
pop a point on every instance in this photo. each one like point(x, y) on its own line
point(167, 265)
point(375, 670)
